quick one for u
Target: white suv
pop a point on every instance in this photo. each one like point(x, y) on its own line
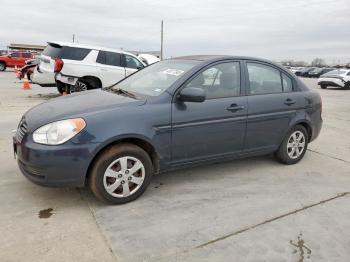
point(79, 67)
point(337, 78)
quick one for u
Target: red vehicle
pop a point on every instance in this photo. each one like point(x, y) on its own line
point(15, 59)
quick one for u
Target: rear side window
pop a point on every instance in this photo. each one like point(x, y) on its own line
point(26, 55)
point(263, 79)
point(113, 59)
point(66, 52)
point(287, 83)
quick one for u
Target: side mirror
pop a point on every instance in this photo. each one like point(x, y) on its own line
point(192, 94)
point(9, 55)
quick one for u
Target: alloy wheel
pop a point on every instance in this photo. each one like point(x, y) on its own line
point(124, 176)
point(296, 144)
point(78, 87)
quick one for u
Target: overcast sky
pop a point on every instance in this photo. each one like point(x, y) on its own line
point(272, 29)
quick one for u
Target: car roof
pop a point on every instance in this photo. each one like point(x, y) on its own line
point(94, 47)
point(211, 58)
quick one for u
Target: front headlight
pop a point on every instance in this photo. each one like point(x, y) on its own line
point(57, 133)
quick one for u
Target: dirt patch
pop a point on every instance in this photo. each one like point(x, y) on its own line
point(45, 213)
point(301, 248)
point(44, 96)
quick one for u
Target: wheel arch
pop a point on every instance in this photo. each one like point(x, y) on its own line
point(306, 124)
point(141, 142)
point(92, 78)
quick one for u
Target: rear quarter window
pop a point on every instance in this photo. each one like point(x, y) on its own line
point(66, 52)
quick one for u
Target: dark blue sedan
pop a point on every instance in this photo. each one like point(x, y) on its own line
point(176, 113)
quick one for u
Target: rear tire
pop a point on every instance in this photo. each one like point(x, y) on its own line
point(29, 76)
point(323, 86)
point(61, 88)
point(293, 146)
point(2, 66)
point(114, 172)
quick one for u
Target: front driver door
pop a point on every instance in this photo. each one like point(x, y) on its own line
point(213, 128)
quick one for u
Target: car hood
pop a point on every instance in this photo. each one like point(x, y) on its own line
point(76, 105)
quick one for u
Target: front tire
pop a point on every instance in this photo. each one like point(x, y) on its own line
point(121, 174)
point(2, 66)
point(323, 86)
point(293, 146)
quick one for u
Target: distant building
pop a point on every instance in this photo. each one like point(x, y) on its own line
point(26, 47)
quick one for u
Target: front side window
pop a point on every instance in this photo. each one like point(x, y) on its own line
point(263, 79)
point(15, 55)
point(156, 78)
point(221, 80)
point(26, 55)
point(132, 62)
point(113, 59)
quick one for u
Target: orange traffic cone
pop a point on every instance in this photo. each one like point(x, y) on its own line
point(26, 85)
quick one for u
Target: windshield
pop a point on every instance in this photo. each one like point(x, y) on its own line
point(156, 78)
point(335, 72)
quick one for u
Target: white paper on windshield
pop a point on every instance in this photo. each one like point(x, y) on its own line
point(174, 72)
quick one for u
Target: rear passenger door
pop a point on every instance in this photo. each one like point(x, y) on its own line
point(132, 64)
point(109, 65)
point(272, 103)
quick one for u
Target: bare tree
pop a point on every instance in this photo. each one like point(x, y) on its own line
point(318, 62)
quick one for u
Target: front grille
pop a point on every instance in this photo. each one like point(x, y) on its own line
point(21, 129)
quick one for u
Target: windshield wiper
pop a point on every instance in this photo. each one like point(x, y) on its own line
point(122, 92)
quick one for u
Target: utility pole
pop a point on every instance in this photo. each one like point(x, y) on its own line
point(73, 38)
point(161, 40)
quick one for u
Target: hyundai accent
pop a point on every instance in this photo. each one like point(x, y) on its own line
point(172, 114)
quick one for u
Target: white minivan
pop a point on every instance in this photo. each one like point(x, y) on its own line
point(79, 67)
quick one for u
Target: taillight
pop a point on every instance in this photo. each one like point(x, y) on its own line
point(58, 65)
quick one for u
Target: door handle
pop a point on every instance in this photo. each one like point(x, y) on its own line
point(289, 102)
point(103, 69)
point(234, 108)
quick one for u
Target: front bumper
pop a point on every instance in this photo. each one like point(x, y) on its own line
point(331, 82)
point(56, 166)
